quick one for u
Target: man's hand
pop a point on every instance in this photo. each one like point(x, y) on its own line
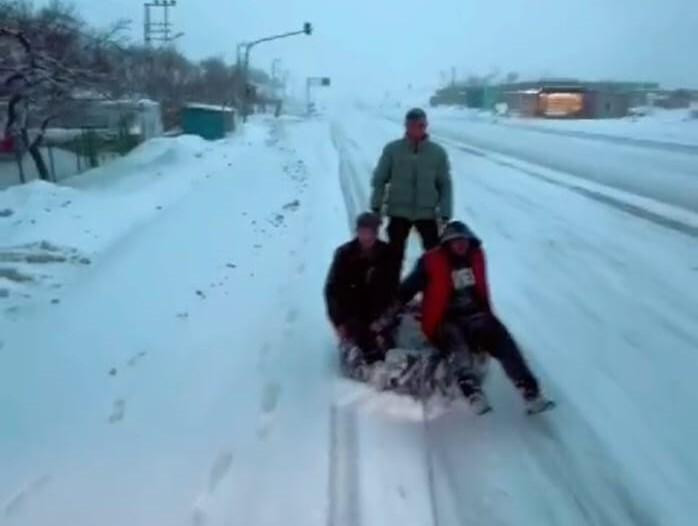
point(387, 318)
point(342, 333)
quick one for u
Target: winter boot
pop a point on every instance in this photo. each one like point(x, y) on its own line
point(479, 403)
point(476, 397)
point(353, 363)
point(535, 401)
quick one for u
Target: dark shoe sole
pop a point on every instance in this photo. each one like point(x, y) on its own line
point(549, 405)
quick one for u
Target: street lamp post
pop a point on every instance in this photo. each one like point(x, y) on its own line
point(307, 30)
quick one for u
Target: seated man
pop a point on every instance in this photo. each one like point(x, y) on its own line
point(457, 315)
point(358, 290)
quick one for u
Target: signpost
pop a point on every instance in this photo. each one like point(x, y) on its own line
point(309, 83)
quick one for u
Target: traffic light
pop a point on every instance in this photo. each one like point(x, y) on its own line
point(308, 28)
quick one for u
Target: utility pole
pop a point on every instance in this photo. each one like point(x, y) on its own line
point(158, 31)
point(275, 68)
point(247, 46)
point(313, 81)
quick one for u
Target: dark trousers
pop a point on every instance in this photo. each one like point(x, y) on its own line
point(398, 231)
point(484, 332)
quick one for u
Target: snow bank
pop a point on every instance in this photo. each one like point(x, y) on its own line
point(185, 379)
point(86, 214)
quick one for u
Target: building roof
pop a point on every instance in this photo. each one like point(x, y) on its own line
point(208, 107)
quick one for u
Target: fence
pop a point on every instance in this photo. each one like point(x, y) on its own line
point(68, 156)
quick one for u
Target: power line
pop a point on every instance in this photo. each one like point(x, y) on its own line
point(161, 30)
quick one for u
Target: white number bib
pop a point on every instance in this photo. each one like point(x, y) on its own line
point(463, 278)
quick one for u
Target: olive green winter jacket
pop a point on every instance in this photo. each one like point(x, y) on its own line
point(413, 181)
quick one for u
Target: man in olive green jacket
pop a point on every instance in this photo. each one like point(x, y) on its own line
point(412, 181)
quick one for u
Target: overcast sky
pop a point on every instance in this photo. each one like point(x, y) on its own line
point(390, 43)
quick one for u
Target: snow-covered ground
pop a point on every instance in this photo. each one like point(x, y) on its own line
point(186, 376)
point(659, 127)
point(665, 172)
point(666, 127)
point(597, 295)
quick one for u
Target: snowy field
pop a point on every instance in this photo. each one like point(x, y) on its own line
point(165, 358)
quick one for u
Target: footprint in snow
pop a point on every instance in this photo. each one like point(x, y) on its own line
point(198, 516)
point(17, 503)
point(118, 411)
point(292, 206)
point(201, 294)
point(263, 356)
point(270, 397)
point(220, 468)
point(269, 403)
point(136, 358)
point(300, 269)
point(291, 316)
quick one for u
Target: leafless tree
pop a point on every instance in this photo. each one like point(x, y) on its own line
point(48, 61)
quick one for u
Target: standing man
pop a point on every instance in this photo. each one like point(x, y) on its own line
point(413, 181)
point(357, 291)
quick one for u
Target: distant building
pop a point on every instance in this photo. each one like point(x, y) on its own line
point(672, 100)
point(551, 98)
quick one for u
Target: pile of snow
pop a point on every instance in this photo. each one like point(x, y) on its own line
point(48, 231)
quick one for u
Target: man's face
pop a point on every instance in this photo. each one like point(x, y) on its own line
point(367, 237)
point(459, 247)
point(416, 129)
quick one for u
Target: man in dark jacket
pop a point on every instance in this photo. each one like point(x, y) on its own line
point(457, 314)
point(358, 288)
point(413, 182)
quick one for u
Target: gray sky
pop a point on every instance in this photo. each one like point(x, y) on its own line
point(390, 43)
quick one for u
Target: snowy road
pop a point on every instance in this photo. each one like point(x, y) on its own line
point(186, 376)
point(667, 173)
point(597, 296)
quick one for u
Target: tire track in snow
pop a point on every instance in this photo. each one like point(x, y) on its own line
point(343, 481)
point(355, 198)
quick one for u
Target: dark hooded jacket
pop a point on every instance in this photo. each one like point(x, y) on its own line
point(358, 284)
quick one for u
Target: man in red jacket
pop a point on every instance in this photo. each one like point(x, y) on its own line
point(457, 315)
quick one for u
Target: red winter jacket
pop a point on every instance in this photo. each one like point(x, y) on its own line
point(6, 144)
point(433, 277)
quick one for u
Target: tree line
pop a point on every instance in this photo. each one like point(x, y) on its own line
point(50, 58)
